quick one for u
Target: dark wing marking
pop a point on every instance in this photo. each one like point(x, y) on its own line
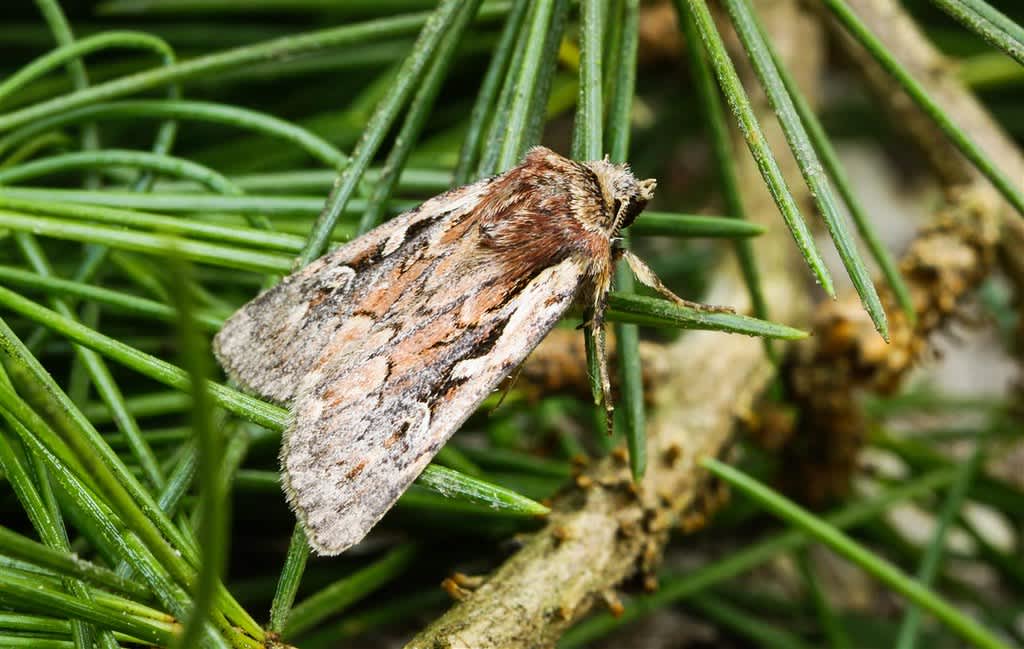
point(387, 393)
point(268, 344)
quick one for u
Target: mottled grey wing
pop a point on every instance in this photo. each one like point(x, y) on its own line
point(386, 393)
point(268, 344)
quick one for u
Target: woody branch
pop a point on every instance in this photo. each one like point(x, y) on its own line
point(604, 530)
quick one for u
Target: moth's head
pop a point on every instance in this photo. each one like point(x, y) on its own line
point(624, 195)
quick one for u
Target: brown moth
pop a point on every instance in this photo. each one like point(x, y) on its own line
point(383, 347)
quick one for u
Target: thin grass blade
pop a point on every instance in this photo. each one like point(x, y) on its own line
point(759, 52)
point(964, 626)
point(1011, 189)
point(662, 313)
point(383, 118)
point(731, 86)
point(988, 22)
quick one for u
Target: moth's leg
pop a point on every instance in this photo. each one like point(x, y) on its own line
point(510, 382)
point(646, 276)
point(602, 368)
point(597, 323)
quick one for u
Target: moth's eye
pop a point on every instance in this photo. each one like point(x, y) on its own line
point(616, 206)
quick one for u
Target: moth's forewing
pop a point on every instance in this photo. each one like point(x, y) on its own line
point(380, 404)
point(268, 345)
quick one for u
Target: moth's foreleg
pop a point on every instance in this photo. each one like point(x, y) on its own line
point(647, 277)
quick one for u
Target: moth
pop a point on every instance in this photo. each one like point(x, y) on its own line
point(383, 347)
